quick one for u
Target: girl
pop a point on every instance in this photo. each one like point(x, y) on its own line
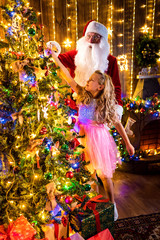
point(96, 108)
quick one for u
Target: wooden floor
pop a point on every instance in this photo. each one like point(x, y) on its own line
point(136, 194)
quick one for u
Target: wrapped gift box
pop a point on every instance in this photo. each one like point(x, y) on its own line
point(104, 235)
point(75, 236)
point(20, 229)
point(57, 228)
point(94, 217)
point(55, 231)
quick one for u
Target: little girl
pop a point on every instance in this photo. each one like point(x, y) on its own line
point(97, 107)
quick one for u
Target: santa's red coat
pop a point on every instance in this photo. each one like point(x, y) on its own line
point(67, 59)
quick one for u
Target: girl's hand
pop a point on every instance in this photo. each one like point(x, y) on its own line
point(130, 149)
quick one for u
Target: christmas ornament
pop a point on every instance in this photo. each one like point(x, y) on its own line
point(54, 73)
point(10, 13)
point(31, 32)
point(34, 223)
point(46, 73)
point(43, 131)
point(65, 147)
point(73, 120)
point(68, 199)
point(48, 176)
point(69, 174)
point(67, 156)
point(30, 98)
point(46, 150)
point(75, 165)
point(67, 101)
point(84, 179)
point(54, 46)
point(87, 187)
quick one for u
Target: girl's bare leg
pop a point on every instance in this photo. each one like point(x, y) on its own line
point(108, 187)
point(95, 185)
point(109, 190)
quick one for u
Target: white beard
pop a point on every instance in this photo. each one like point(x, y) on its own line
point(89, 58)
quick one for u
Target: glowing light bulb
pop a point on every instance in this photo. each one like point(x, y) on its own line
point(35, 176)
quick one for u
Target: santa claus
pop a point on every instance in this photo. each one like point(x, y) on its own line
point(91, 54)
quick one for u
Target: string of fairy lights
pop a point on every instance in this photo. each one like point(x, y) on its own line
point(95, 10)
point(132, 49)
point(76, 20)
point(97, 4)
point(154, 7)
point(53, 19)
point(111, 26)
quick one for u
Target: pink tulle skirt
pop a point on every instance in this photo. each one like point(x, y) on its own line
point(100, 149)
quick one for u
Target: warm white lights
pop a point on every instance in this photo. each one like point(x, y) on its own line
point(132, 50)
point(153, 20)
point(53, 21)
point(111, 27)
point(122, 62)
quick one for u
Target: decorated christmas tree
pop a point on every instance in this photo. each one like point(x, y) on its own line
point(41, 160)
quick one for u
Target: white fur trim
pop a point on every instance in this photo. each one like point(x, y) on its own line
point(53, 45)
point(119, 111)
point(97, 27)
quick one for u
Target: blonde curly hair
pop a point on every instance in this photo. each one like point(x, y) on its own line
point(105, 110)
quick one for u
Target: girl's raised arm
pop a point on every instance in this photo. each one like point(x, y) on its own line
point(65, 73)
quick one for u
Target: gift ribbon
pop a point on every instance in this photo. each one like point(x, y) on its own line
point(91, 204)
point(55, 218)
point(80, 200)
point(56, 230)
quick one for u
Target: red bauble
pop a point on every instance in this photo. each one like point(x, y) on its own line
point(67, 101)
point(67, 156)
point(83, 156)
point(46, 73)
point(73, 120)
point(43, 131)
point(68, 199)
point(69, 174)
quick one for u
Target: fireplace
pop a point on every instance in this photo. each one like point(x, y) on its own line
point(146, 132)
point(150, 138)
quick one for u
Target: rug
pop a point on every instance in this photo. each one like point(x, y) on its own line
point(143, 227)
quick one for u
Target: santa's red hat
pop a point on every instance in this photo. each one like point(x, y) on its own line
point(96, 27)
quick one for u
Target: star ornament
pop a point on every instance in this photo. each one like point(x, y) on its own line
point(67, 43)
point(145, 29)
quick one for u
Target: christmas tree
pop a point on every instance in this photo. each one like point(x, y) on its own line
point(41, 160)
